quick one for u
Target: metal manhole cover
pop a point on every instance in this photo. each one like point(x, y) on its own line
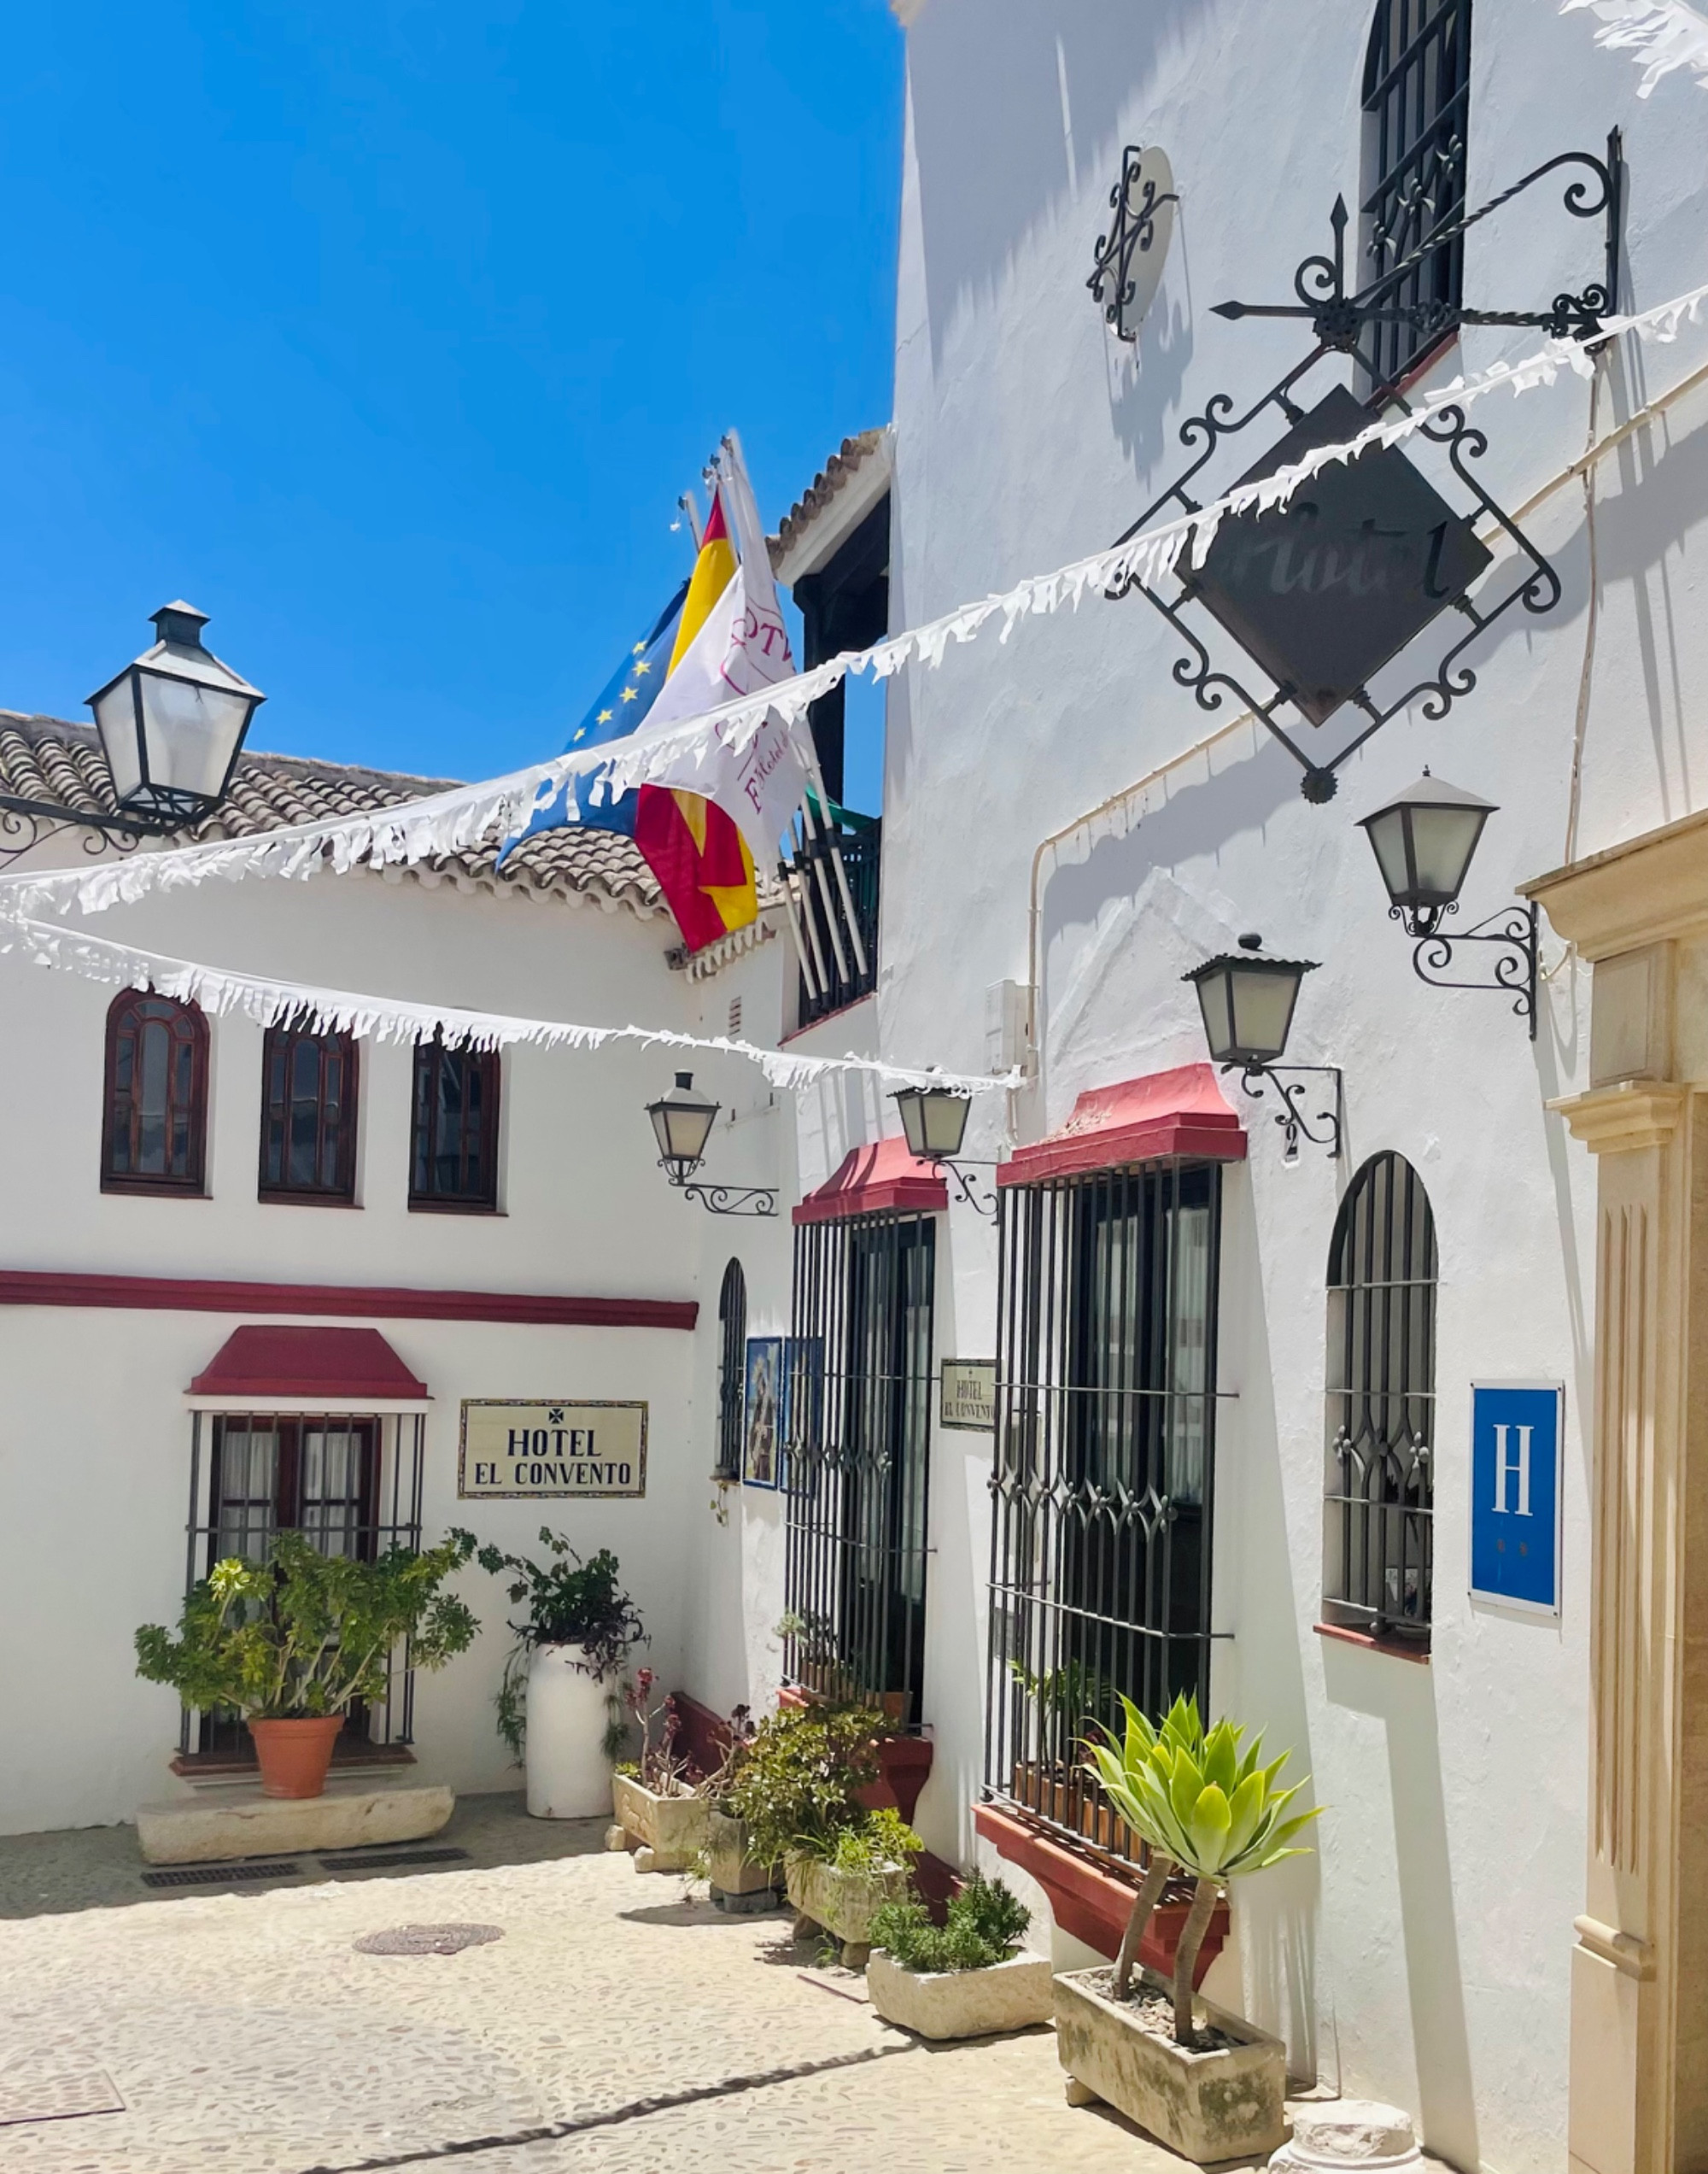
point(427, 1939)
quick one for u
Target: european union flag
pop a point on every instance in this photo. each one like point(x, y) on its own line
point(620, 709)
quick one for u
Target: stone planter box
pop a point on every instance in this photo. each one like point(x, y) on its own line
point(1009, 1996)
point(731, 1870)
point(844, 1903)
point(670, 1829)
point(1227, 2104)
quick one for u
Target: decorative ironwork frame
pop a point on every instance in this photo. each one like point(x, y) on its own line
point(1517, 966)
point(1132, 233)
point(1103, 1480)
point(36, 821)
point(1381, 1409)
point(1341, 321)
point(1289, 1083)
point(982, 1198)
point(727, 1200)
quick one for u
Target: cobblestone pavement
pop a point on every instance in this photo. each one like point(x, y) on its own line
point(614, 2026)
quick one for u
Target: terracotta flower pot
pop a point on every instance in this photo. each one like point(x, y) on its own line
point(295, 1755)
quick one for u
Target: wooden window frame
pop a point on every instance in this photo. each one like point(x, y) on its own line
point(433, 1054)
point(342, 1194)
point(123, 1016)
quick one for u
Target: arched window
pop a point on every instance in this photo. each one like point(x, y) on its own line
point(1381, 1403)
point(308, 1116)
point(154, 1136)
point(1417, 89)
point(731, 1371)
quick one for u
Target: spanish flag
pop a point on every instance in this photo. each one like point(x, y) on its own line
point(695, 850)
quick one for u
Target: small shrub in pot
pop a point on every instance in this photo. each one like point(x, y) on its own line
point(964, 1978)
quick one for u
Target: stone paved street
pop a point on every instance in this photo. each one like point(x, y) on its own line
point(614, 2027)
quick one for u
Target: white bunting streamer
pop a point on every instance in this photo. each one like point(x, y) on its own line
point(452, 822)
point(1661, 34)
point(221, 991)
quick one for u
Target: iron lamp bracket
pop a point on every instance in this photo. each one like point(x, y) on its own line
point(32, 822)
point(982, 1198)
point(724, 1199)
point(1289, 1083)
point(1516, 959)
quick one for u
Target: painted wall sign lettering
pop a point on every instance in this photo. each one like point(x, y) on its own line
point(1516, 1432)
point(969, 1393)
point(511, 1448)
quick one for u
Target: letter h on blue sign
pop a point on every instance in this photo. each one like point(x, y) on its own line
point(1515, 1494)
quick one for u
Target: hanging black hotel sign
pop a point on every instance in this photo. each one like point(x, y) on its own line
point(1324, 590)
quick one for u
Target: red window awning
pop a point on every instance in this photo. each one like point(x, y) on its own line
point(1164, 1114)
point(883, 1175)
point(341, 1364)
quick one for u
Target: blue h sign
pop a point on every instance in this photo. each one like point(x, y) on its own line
point(1515, 1493)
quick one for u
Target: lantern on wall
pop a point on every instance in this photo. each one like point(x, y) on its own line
point(1247, 999)
point(173, 723)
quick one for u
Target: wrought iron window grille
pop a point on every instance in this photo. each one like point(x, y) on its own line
point(1343, 322)
point(1380, 1484)
point(1288, 1083)
point(732, 1376)
point(855, 1425)
point(1135, 201)
point(1102, 1476)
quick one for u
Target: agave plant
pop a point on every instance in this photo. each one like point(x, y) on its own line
point(1202, 1804)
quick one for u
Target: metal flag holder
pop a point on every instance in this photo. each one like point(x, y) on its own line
point(1340, 321)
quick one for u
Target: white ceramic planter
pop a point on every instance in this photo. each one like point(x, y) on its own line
point(569, 1777)
point(1207, 2106)
point(1009, 1996)
point(668, 1829)
point(844, 1903)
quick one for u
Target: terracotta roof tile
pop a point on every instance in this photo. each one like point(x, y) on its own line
point(46, 758)
point(851, 455)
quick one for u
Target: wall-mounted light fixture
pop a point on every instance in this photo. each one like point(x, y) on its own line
point(1131, 255)
point(1424, 841)
point(934, 1124)
point(682, 1121)
point(1247, 999)
point(172, 726)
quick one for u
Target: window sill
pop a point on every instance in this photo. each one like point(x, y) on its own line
point(220, 1765)
point(154, 1189)
point(1400, 1649)
point(454, 1208)
point(277, 1200)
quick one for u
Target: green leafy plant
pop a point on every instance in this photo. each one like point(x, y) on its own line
point(798, 1778)
point(984, 1925)
point(569, 1602)
point(877, 1842)
point(1202, 1805)
point(1071, 1694)
point(304, 1634)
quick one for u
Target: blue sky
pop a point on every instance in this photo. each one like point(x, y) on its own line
point(388, 335)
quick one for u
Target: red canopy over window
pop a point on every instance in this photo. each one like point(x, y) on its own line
point(341, 1363)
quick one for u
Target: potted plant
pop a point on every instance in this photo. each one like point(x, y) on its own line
point(735, 1873)
point(964, 1978)
point(661, 1819)
point(558, 1704)
point(1210, 2089)
point(292, 1644)
point(839, 1881)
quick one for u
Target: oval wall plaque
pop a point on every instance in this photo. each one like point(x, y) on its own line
point(1131, 255)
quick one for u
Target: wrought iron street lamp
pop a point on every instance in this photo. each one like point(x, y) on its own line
point(1424, 841)
point(172, 726)
point(1247, 999)
point(934, 1124)
point(682, 1123)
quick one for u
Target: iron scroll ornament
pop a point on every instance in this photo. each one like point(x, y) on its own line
point(733, 1199)
point(32, 822)
point(1339, 320)
point(1515, 971)
point(1289, 1083)
point(1136, 201)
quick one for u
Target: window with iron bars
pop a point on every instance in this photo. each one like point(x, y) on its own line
point(1103, 1480)
point(350, 1483)
point(731, 1371)
point(1417, 90)
point(857, 1423)
point(1380, 1492)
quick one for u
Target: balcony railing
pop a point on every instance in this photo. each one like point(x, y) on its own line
point(839, 949)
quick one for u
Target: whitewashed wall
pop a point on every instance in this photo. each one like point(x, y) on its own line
point(1422, 1955)
point(95, 1434)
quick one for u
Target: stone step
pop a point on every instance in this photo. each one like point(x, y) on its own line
point(351, 1814)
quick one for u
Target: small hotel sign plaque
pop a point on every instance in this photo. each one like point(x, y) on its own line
point(969, 1393)
point(511, 1449)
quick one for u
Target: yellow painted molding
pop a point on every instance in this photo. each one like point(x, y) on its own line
point(1623, 1119)
point(1635, 1957)
point(1638, 892)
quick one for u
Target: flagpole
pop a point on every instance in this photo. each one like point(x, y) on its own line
point(836, 858)
point(817, 862)
point(817, 984)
